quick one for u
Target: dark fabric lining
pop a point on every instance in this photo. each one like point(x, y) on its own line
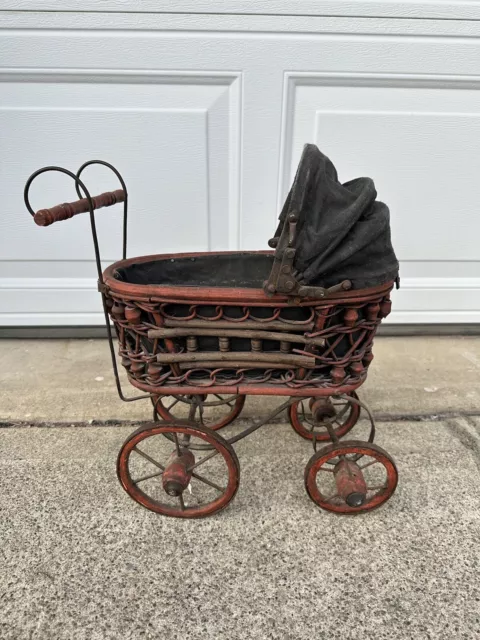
point(246, 270)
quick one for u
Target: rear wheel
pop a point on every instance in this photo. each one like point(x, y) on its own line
point(214, 411)
point(310, 418)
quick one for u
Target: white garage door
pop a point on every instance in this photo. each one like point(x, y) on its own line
point(205, 109)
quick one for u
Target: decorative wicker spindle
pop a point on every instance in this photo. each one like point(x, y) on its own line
point(133, 315)
point(118, 311)
point(224, 344)
point(154, 370)
point(385, 308)
point(192, 344)
point(137, 368)
point(367, 358)
point(337, 374)
point(357, 368)
point(373, 311)
point(256, 345)
point(285, 346)
point(350, 317)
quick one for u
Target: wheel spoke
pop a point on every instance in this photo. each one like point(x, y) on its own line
point(223, 401)
point(369, 464)
point(377, 488)
point(209, 482)
point(342, 412)
point(197, 464)
point(230, 403)
point(177, 444)
point(151, 475)
point(173, 404)
point(335, 495)
point(182, 503)
point(340, 403)
point(326, 469)
point(147, 457)
point(303, 411)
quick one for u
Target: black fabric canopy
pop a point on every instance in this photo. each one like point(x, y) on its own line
point(343, 232)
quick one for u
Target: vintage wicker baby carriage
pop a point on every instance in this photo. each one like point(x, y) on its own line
point(208, 329)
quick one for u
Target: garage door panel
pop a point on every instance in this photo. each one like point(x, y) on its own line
point(174, 143)
point(207, 126)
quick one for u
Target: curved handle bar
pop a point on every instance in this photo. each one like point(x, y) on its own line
point(35, 174)
point(89, 202)
point(124, 189)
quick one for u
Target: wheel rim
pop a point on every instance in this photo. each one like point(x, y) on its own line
point(173, 408)
point(346, 417)
point(377, 468)
point(145, 456)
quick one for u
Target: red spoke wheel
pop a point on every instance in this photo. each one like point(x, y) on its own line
point(213, 411)
point(159, 468)
point(352, 485)
point(311, 417)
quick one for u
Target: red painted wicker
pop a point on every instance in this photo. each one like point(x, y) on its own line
point(178, 339)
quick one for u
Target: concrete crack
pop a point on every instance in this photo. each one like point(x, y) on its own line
point(466, 433)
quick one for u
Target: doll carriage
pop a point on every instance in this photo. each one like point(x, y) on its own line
point(198, 332)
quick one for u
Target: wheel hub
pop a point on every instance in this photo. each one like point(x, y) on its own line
point(351, 485)
point(355, 499)
point(321, 409)
point(176, 477)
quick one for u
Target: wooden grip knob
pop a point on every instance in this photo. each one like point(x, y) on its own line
point(46, 217)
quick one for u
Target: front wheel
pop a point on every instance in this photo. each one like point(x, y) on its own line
point(158, 468)
point(362, 478)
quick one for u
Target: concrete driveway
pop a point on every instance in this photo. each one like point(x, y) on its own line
point(82, 560)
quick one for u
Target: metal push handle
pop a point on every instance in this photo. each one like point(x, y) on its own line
point(46, 217)
point(85, 204)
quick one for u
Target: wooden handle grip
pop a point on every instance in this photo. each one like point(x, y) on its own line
point(46, 217)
